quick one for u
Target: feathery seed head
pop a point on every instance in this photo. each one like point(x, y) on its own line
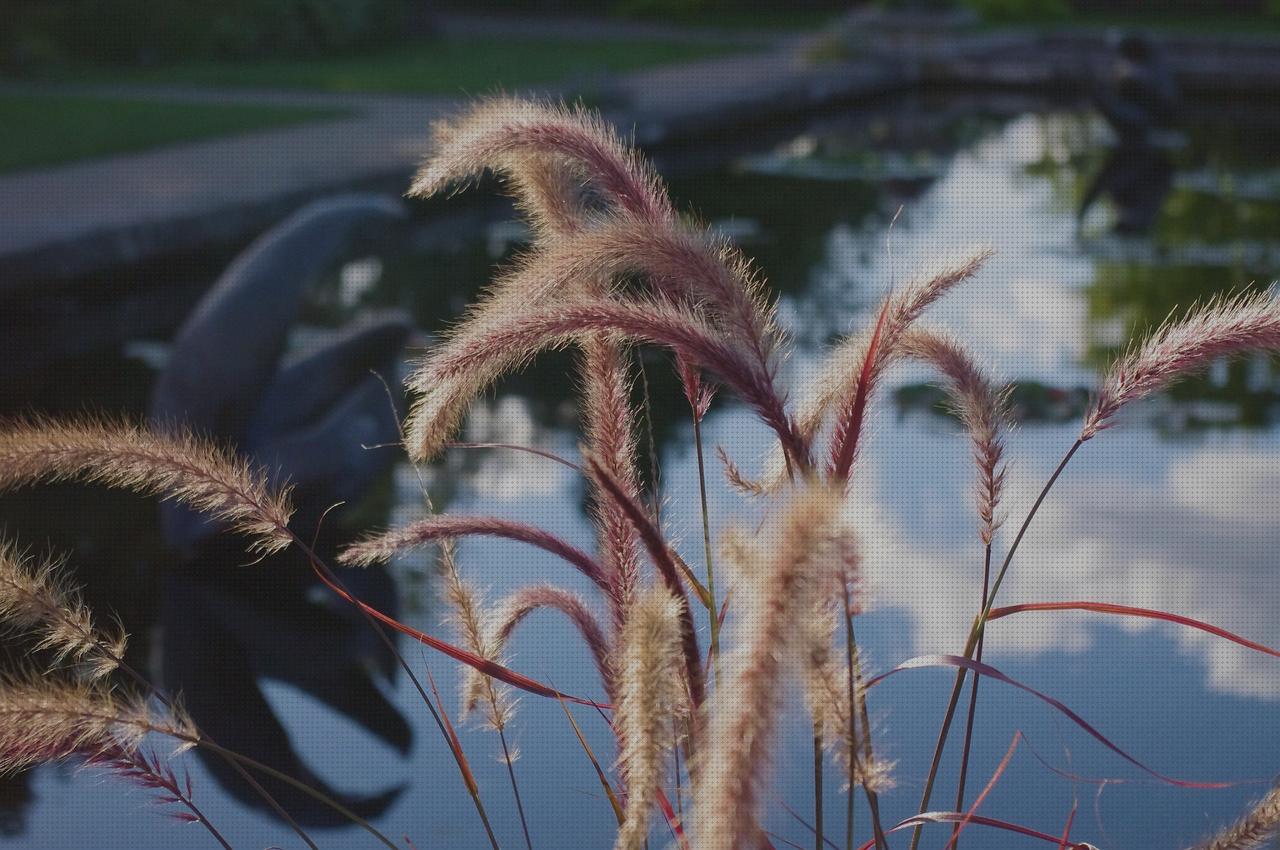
point(505, 134)
point(38, 597)
point(650, 693)
point(175, 466)
point(784, 570)
point(44, 720)
point(1254, 831)
point(1222, 327)
point(980, 405)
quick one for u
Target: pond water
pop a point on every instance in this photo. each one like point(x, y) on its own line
point(1172, 510)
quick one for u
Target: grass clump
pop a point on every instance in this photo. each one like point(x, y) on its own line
point(613, 266)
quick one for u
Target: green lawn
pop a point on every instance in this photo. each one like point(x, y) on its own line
point(40, 129)
point(445, 67)
point(45, 129)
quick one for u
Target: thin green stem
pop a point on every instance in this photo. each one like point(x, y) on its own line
point(168, 702)
point(817, 785)
point(858, 696)
point(713, 609)
point(975, 634)
point(973, 702)
point(515, 788)
point(301, 786)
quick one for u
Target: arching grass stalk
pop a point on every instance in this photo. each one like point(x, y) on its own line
point(975, 634)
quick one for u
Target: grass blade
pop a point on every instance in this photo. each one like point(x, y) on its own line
point(1130, 611)
point(958, 661)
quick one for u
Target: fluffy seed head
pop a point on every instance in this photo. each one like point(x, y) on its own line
point(175, 466)
point(649, 696)
point(980, 405)
point(523, 602)
point(505, 134)
point(784, 569)
point(450, 379)
point(45, 720)
point(1220, 328)
point(38, 597)
point(1255, 831)
point(380, 548)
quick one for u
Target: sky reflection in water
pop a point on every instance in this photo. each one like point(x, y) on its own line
point(1184, 523)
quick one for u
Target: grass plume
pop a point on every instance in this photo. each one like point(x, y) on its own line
point(1220, 328)
point(649, 699)
point(981, 407)
point(38, 596)
point(1255, 830)
point(784, 570)
point(176, 466)
point(381, 548)
point(49, 719)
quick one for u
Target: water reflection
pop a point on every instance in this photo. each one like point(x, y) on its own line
point(1174, 516)
point(1139, 98)
point(306, 419)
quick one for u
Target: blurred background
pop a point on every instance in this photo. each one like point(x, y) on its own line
point(201, 221)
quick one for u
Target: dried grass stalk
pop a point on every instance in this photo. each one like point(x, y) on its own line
point(504, 133)
point(449, 379)
point(1220, 328)
point(520, 604)
point(39, 597)
point(649, 696)
point(1256, 830)
point(46, 720)
point(380, 548)
point(875, 355)
point(980, 405)
point(465, 604)
point(784, 570)
point(600, 214)
point(175, 466)
point(610, 435)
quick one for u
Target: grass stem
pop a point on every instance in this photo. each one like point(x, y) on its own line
point(817, 785)
point(515, 788)
point(323, 569)
point(973, 702)
point(706, 543)
point(254, 764)
point(168, 702)
point(975, 634)
point(858, 696)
